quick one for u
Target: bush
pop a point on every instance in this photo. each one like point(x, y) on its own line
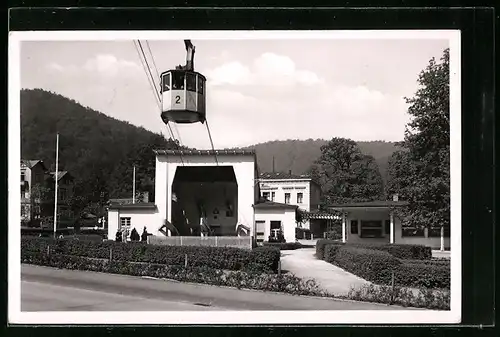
point(283, 245)
point(320, 247)
point(331, 251)
point(401, 251)
point(373, 265)
point(265, 259)
point(377, 266)
point(425, 298)
point(420, 275)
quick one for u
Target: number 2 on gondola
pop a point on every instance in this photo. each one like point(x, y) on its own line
point(177, 99)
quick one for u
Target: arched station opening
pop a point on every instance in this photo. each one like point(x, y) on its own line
point(204, 201)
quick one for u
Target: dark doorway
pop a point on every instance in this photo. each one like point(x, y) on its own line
point(206, 199)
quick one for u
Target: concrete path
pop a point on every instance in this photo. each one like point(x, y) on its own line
point(304, 264)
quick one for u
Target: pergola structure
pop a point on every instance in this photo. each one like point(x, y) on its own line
point(330, 217)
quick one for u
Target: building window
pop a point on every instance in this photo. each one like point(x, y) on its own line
point(125, 222)
point(287, 198)
point(371, 228)
point(300, 197)
point(23, 176)
point(354, 226)
point(265, 195)
point(273, 196)
point(387, 226)
point(62, 194)
point(260, 228)
point(412, 231)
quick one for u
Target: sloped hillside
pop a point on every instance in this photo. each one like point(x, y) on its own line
point(299, 155)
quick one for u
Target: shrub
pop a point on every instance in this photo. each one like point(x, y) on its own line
point(378, 266)
point(431, 299)
point(372, 265)
point(331, 251)
point(401, 251)
point(420, 275)
point(320, 247)
point(265, 259)
point(283, 245)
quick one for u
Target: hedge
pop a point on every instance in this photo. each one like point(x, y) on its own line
point(197, 274)
point(372, 265)
point(419, 275)
point(283, 245)
point(265, 259)
point(401, 251)
point(331, 251)
point(320, 247)
point(377, 266)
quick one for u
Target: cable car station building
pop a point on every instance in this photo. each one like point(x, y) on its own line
point(201, 193)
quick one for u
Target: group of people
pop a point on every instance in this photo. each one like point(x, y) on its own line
point(121, 235)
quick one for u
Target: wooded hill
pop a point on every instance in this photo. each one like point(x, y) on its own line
point(100, 151)
point(298, 155)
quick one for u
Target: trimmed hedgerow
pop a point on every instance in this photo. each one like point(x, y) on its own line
point(372, 265)
point(420, 275)
point(265, 259)
point(331, 251)
point(401, 251)
point(418, 252)
point(199, 274)
point(380, 266)
point(320, 247)
point(283, 245)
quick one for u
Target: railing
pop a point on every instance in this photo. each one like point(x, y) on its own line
point(211, 241)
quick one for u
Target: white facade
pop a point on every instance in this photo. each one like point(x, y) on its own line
point(135, 217)
point(285, 216)
point(245, 170)
point(383, 227)
point(302, 192)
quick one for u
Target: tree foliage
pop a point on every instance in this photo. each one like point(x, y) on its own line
point(345, 174)
point(421, 173)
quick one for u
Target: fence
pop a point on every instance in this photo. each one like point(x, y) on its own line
point(244, 242)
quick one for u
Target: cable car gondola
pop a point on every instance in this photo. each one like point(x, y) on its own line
point(183, 92)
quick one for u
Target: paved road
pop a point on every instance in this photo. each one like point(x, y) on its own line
point(48, 289)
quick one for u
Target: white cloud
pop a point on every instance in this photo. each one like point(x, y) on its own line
point(110, 65)
point(103, 65)
point(267, 70)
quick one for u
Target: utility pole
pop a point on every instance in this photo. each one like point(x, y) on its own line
point(56, 179)
point(133, 187)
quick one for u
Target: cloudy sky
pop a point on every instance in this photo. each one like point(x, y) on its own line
point(258, 90)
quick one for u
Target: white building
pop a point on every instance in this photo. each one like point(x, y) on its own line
point(299, 190)
point(202, 193)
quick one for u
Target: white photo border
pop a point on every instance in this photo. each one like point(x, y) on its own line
point(16, 316)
